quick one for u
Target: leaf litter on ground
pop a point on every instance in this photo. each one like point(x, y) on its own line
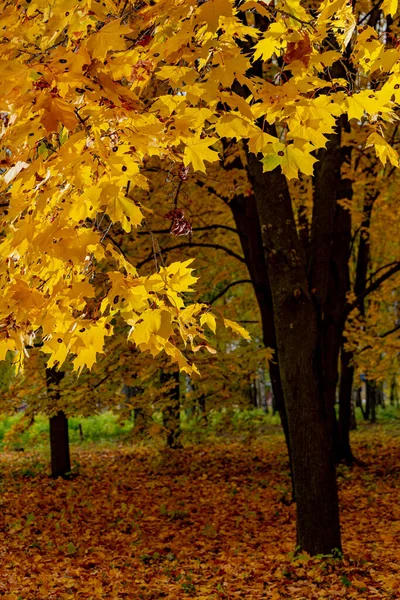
point(208, 522)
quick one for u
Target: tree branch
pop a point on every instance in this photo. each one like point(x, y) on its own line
point(189, 245)
point(374, 274)
point(383, 335)
point(395, 328)
point(228, 287)
point(374, 286)
point(211, 190)
point(205, 228)
point(365, 17)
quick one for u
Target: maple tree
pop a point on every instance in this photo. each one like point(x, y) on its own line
point(80, 124)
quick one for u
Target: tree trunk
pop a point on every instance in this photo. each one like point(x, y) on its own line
point(244, 211)
point(343, 448)
point(59, 440)
point(333, 321)
point(381, 395)
point(172, 412)
point(363, 257)
point(371, 400)
point(59, 445)
point(298, 334)
point(393, 392)
point(328, 267)
point(353, 420)
point(141, 421)
point(367, 412)
point(201, 409)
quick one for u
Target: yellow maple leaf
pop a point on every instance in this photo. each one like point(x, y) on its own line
point(294, 7)
point(88, 342)
point(389, 7)
point(233, 126)
point(237, 329)
point(56, 111)
point(211, 11)
point(124, 210)
point(108, 38)
point(197, 150)
point(383, 150)
point(153, 330)
point(177, 74)
point(209, 320)
point(271, 42)
point(291, 160)
point(5, 345)
point(179, 276)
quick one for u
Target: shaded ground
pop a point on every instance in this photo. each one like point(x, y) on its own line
point(209, 522)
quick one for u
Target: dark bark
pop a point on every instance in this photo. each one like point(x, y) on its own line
point(59, 445)
point(202, 410)
point(141, 421)
point(333, 321)
point(329, 277)
point(353, 420)
point(326, 182)
point(343, 448)
point(172, 411)
point(244, 211)
point(298, 336)
point(367, 412)
point(333, 326)
point(393, 392)
point(371, 400)
point(381, 395)
point(59, 440)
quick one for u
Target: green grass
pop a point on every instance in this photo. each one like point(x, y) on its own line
point(108, 428)
point(102, 428)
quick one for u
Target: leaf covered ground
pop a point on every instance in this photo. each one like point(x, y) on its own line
point(207, 522)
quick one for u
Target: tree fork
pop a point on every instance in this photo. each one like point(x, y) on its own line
point(298, 336)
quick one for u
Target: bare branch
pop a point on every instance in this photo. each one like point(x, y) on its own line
point(375, 273)
point(228, 287)
point(372, 288)
point(194, 245)
point(375, 7)
point(205, 228)
point(383, 335)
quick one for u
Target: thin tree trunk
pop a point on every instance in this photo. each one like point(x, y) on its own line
point(393, 392)
point(372, 396)
point(359, 287)
point(343, 448)
point(353, 420)
point(368, 403)
point(59, 440)
point(172, 413)
point(140, 420)
point(59, 445)
point(201, 409)
point(244, 211)
point(381, 395)
point(298, 335)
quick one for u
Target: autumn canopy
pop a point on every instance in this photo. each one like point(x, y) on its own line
point(79, 124)
point(285, 111)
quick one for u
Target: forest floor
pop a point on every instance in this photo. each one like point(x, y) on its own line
point(208, 522)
